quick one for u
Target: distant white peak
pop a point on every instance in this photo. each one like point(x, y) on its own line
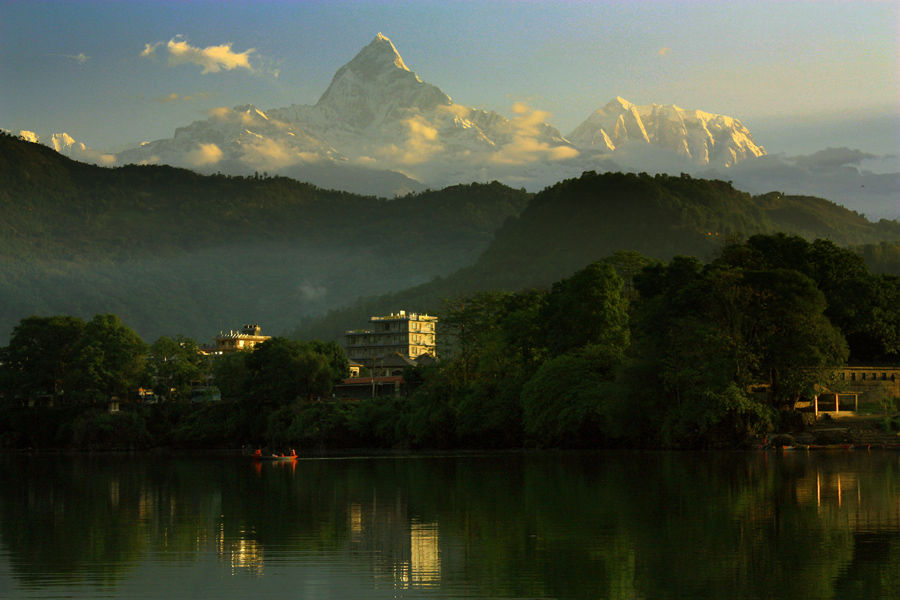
point(61, 141)
point(249, 109)
point(619, 102)
point(30, 136)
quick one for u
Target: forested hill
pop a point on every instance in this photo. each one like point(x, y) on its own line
point(578, 221)
point(171, 251)
point(51, 206)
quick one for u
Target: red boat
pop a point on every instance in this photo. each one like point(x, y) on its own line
point(258, 455)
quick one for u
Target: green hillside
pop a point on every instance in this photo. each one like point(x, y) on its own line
point(171, 251)
point(579, 221)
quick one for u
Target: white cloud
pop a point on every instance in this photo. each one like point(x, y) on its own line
point(271, 155)
point(173, 97)
point(457, 111)
point(421, 144)
point(150, 49)
point(212, 58)
point(220, 112)
point(526, 146)
point(251, 117)
point(311, 292)
point(79, 58)
point(204, 155)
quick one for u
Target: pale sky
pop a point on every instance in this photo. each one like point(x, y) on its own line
point(801, 75)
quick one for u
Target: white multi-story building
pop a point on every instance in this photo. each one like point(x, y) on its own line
point(408, 334)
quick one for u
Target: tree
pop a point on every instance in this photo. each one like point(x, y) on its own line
point(231, 375)
point(628, 265)
point(177, 365)
point(587, 308)
point(109, 360)
point(38, 358)
point(470, 328)
point(338, 363)
point(281, 370)
point(710, 335)
point(566, 402)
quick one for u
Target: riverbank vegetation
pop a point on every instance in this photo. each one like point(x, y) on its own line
point(626, 352)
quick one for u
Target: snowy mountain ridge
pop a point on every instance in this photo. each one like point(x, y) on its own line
point(378, 115)
point(699, 136)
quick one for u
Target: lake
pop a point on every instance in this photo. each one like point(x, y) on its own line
point(791, 525)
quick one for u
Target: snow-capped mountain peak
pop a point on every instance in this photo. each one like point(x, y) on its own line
point(377, 85)
point(377, 114)
point(701, 137)
point(30, 136)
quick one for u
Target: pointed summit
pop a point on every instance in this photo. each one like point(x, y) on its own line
point(379, 59)
point(381, 48)
point(619, 103)
point(376, 85)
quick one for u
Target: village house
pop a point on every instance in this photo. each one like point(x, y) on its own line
point(852, 387)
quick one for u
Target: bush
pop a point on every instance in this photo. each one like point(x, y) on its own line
point(101, 430)
point(219, 424)
point(380, 423)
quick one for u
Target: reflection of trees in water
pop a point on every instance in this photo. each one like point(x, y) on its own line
point(611, 525)
point(64, 517)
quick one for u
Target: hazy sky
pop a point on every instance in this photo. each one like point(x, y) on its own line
point(801, 75)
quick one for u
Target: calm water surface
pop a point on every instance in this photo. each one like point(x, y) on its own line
point(795, 525)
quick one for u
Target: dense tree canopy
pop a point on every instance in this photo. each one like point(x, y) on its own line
point(177, 365)
point(625, 352)
point(281, 371)
point(38, 358)
point(63, 360)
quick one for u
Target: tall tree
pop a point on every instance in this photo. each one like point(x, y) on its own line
point(109, 360)
point(177, 365)
point(38, 358)
point(281, 370)
point(587, 308)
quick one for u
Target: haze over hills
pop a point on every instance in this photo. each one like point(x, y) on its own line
point(379, 129)
point(581, 220)
point(171, 251)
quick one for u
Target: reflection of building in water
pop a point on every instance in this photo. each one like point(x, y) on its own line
point(406, 551)
point(425, 557)
point(114, 492)
point(867, 504)
point(244, 554)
